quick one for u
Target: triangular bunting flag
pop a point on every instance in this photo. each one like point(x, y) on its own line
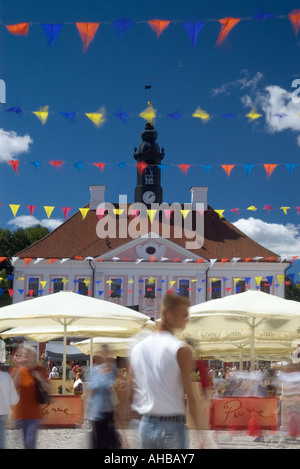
point(100, 166)
point(228, 168)
point(148, 114)
point(252, 208)
point(285, 209)
point(42, 114)
point(200, 114)
point(141, 166)
point(51, 31)
point(258, 280)
point(27, 260)
point(151, 214)
point(14, 208)
point(66, 211)
point(158, 26)
point(294, 18)
point(48, 211)
point(87, 33)
point(227, 25)
point(96, 117)
point(56, 163)
point(269, 169)
point(220, 213)
point(123, 25)
point(268, 207)
point(20, 29)
point(185, 213)
point(184, 167)
point(253, 114)
point(248, 168)
point(84, 212)
point(14, 164)
point(31, 208)
point(280, 278)
point(193, 29)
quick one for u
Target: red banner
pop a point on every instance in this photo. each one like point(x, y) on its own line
point(240, 412)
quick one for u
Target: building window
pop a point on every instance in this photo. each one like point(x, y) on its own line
point(240, 286)
point(149, 288)
point(83, 286)
point(58, 285)
point(149, 175)
point(33, 287)
point(184, 287)
point(265, 286)
point(216, 289)
point(115, 288)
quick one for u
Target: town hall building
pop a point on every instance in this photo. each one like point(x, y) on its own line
point(134, 253)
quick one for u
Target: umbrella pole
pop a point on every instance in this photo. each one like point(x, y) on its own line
point(64, 358)
point(91, 354)
point(241, 359)
point(252, 350)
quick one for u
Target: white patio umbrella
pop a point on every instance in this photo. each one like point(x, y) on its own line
point(71, 309)
point(251, 315)
point(118, 347)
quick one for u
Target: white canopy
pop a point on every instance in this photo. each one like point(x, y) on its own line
point(251, 315)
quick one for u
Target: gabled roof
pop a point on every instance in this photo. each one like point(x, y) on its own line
point(77, 237)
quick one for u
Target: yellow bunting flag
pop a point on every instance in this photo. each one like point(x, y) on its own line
point(172, 282)
point(98, 118)
point(65, 280)
point(43, 283)
point(220, 213)
point(285, 209)
point(151, 214)
point(48, 211)
point(131, 280)
point(14, 209)
point(236, 280)
point(258, 280)
point(184, 213)
point(86, 282)
point(149, 113)
point(253, 114)
point(151, 280)
point(42, 114)
point(280, 278)
point(84, 212)
point(200, 114)
point(118, 211)
point(108, 281)
point(252, 208)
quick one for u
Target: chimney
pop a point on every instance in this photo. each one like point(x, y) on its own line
point(199, 195)
point(97, 196)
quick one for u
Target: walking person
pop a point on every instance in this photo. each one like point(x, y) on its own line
point(28, 412)
point(100, 404)
point(160, 375)
point(8, 398)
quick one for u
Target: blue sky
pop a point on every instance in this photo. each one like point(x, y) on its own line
point(256, 65)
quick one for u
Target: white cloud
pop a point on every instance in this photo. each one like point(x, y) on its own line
point(246, 82)
point(25, 221)
point(283, 240)
point(12, 144)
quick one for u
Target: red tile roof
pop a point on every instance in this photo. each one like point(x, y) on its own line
point(77, 237)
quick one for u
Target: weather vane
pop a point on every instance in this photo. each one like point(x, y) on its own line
point(148, 87)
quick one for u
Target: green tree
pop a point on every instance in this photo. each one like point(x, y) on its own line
point(12, 242)
point(292, 290)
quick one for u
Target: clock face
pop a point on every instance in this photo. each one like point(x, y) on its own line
point(149, 197)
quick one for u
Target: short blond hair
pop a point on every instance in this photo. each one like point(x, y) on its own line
point(172, 302)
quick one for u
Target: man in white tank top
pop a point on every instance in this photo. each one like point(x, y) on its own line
point(161, 367)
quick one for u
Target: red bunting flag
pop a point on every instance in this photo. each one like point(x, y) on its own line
point(87, 32)
point(227, 25)
point(158, 26)
point(141, 166)
point(14, 164)
point(31, 208)
point(134, 212)
point(20, 29)
point(184, 167)
point(268, 207)
point(294, 18)
point(298, 209)
point(2, 259)
point(11, 292)
point(100, 166)
point(199, 261)
point(228, 168)
point(168, 213)
point(269, 169)
point(235, 210)
point(100, 212)
point(56, 163)
point(66, 211)
point(27, 261)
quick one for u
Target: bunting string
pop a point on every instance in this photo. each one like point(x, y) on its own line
point(88, 30)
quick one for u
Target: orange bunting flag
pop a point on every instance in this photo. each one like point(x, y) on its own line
point(184, 167)
point(14, 164)
point(158, 26)
point(269, 169)
point(294, 18)
point(20, 29)
point(227, 25)
point(2, 259)
point(51, 261)
point(87, 32)
point(228, 168)
point(100, 166)
point(27, 260)
point(141, 166)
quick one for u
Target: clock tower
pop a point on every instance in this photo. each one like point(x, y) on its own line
point(148, 156)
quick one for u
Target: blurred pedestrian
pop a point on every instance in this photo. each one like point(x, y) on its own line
point(161, 367)
point(100, 403)
point(8, 398)
point(54, 374)
point(78, 383)
point(28, 412)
